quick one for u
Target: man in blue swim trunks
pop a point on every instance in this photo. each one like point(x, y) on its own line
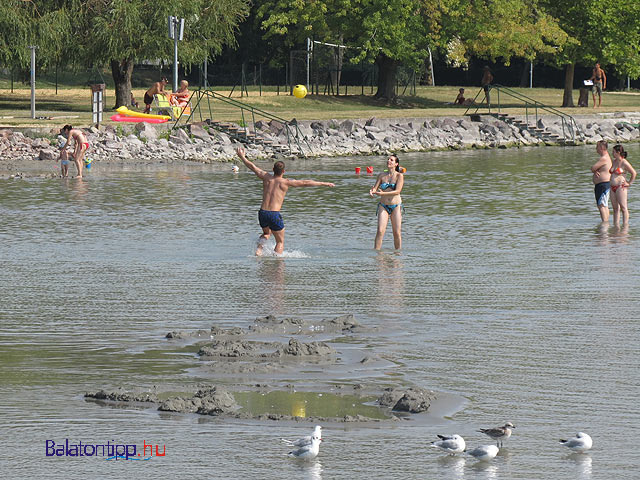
point(274, 189)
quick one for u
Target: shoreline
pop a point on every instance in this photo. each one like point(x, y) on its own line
point(31, 153)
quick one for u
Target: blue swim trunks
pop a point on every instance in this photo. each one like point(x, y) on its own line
point(271, 219)
point(602, 193)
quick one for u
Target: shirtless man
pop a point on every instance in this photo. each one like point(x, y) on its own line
point(80, 148)
point(599, 84)
point(487, 80)
point(601, 179)
point(156, 89)
point(274, 188)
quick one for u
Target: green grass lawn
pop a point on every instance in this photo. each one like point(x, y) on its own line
point(72, 104)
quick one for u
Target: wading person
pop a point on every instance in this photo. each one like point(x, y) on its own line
point(274, 189)
point(601, 178)
point(388, 187)
point(620, 168)
point(81, 145)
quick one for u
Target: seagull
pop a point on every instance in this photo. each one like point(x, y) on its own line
point(580, 443)
point(452, 445)
point(307, 452)
point(304, 441)
point(499, 433)
point(235, 168)
point(484, 452)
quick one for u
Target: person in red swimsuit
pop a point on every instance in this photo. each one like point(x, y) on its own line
point(620, 167)
point(80, 148)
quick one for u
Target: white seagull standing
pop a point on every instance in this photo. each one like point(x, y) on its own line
point(499, 434)
point(304, 441)
point(452, 445)
point(484, 452)
point(580, 443)
point(307, 452)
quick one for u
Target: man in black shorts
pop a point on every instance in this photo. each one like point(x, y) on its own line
point(156, 89)
point(274, 188)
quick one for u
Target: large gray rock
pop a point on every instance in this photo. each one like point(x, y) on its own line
point(146, 131)
point(199, 132)
point(48, 154)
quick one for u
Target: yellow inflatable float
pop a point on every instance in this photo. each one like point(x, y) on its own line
point(130, 113)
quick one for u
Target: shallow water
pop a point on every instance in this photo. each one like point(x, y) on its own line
point(507, 294)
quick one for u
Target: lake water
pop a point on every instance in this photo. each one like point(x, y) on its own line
point(507, 295)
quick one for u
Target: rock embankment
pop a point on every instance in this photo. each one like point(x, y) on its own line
point(204, 144)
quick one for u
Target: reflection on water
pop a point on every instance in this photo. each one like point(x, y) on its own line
point(451, 466)
point(391, 291)
point(271, 272)
point(583, 463)
point(486, 470)
point(309, 470)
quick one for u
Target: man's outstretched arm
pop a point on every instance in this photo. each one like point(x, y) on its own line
point(308, 183)
point(249, 164)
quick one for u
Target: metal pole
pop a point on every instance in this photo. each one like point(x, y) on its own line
point(531, 74)
point(206, 62)
point(433, 77)
point(175, 54)
point(308, 56)
point(33, 80)
point(628, 84)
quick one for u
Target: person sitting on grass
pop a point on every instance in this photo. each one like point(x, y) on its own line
point(460, 100)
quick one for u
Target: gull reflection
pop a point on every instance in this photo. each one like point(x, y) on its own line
point(453, 465)
point(583, 463)
point(488, 470)
point(310, 470)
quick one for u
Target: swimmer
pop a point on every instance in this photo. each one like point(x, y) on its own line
point(620, 167)
point(274, 189)
point(601, 179)
point(388, 187)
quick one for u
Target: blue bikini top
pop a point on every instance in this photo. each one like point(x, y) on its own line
point(385, 185)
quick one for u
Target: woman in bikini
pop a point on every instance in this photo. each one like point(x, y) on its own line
point(620, 167)
point(81, 145)
point(388, 187)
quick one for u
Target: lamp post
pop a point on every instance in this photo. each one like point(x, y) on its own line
point(176, 31)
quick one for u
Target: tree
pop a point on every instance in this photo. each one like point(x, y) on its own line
point(387, 32)
point(607, 32)
point(500, 30)
point(120, 32)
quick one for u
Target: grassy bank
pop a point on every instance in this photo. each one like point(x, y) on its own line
point(73, 104)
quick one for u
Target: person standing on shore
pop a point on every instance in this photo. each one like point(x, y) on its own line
point(487, 80)
point(156, 89)
point(620, 167)
point(599, 84)
point(388, 187)
point(80, 148)
point(274, 189)
point(601, 179)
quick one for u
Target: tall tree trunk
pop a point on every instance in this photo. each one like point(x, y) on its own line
point(387, 70)
point(121, 71)
point(567, 98)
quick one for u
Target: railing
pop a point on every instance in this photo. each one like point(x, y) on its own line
point(247, 112)
point(569, 124)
